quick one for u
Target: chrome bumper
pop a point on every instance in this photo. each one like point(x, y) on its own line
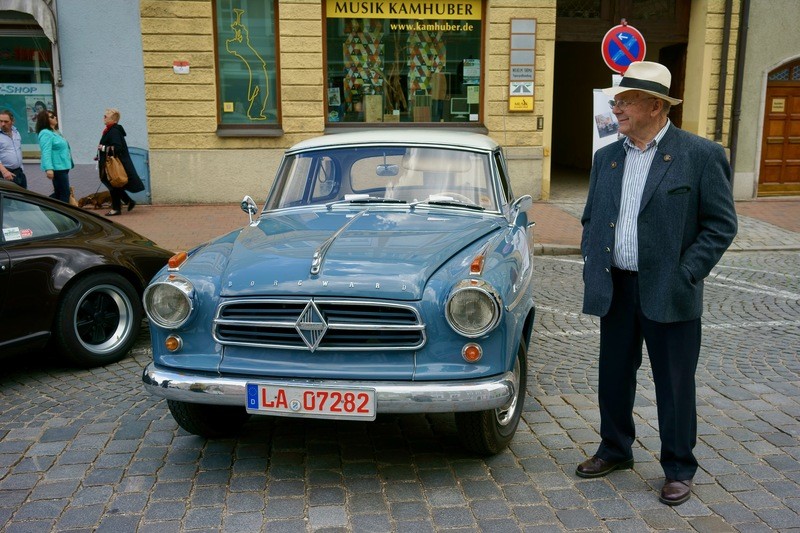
point(392, 396)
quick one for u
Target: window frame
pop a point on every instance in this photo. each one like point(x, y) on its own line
point(42, 208)
point(248, 130)
point(478, 125)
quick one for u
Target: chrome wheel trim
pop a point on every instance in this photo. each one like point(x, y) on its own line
point(505, 414)
point(93, 316)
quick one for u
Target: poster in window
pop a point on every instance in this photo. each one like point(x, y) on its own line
point(247, 62)
point(334, 97)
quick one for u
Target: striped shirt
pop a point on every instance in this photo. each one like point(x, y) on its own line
point(637, 166)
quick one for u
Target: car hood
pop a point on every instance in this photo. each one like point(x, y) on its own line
point(380, 254)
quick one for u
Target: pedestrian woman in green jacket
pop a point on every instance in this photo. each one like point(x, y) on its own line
point(56, 156)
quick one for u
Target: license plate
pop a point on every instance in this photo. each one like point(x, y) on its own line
point(312, 402)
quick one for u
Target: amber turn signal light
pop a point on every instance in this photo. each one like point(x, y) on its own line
point(477, 265)
point(173, 343)
point(472, 353)
point(177, 260)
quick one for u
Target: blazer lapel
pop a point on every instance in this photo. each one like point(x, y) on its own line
point(658, 169)
point(615, 172)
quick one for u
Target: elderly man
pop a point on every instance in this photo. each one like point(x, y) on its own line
point(658, 217)
point(11, 150)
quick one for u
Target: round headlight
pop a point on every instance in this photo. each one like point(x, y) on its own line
point(473, 310)
point(169, 303)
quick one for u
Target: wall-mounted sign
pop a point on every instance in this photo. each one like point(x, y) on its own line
point(520, 88)
point(522, 59)
point(520, 103)
point(778, 105)
point(180, 67)
point(405, 9)
point(521, 73)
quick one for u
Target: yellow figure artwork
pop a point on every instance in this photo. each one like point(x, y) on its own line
point(258, 88)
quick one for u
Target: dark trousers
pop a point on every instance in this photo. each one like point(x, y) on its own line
point(61, 185)
point(118, 197)
point(19, 177)
point(674, 349)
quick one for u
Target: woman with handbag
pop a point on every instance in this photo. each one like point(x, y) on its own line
point(113, 146)
point(56, 156)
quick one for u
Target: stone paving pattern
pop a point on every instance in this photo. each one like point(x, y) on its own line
point(90, 450)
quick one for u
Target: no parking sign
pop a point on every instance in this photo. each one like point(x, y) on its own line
point(622, 45)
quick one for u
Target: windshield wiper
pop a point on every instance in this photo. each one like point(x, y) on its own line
point(365, 199)
point(377, 200)
point(451, 203)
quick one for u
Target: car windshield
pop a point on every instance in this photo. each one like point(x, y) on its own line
point(410, 175)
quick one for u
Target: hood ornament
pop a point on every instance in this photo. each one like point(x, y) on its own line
point(319, 253)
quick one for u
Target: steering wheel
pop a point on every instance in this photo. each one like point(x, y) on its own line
point(456, 196)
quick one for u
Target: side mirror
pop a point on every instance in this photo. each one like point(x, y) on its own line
point(249, 207)
point(520, 205)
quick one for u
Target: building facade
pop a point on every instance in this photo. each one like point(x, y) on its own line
point(76, 57)
point(216, 90)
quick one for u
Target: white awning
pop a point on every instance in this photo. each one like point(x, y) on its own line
point(46, 18)
point(39, 10)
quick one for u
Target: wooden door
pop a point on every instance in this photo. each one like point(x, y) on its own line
point(780, 146)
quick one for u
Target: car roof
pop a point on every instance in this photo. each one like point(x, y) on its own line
point(400, 136)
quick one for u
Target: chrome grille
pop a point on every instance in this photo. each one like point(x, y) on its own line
point(318, 324)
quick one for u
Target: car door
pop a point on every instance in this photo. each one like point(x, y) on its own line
point(27, 296)
point(5, 267)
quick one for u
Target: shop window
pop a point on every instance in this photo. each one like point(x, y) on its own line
point(26, 84)
point(247, 67)
point(404, 61)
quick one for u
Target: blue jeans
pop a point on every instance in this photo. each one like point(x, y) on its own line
point(61, 185)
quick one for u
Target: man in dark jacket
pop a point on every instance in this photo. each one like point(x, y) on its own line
point(658, 217)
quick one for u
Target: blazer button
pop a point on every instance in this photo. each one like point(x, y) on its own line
point(610, 224)
point(613, 164)
point(608, 249)
point(607, 270)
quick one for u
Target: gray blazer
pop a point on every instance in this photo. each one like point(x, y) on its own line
point(686, 222)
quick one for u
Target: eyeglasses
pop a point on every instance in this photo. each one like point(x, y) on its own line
point(622, 104)
point(51, 116)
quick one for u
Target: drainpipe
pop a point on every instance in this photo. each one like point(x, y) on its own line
point(723, 70)
point(741, 47)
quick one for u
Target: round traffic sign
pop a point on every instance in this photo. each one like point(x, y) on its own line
point(622, 45)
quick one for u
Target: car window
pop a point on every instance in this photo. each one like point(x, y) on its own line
point(325, 179)
point(406, 174)
point(25, 220)
point(504, 181)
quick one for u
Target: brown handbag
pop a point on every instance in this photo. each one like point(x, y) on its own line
point(115, 172)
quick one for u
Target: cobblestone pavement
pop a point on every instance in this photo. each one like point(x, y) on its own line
point(89, 450)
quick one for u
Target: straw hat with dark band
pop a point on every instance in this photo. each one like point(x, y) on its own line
point(648, 77)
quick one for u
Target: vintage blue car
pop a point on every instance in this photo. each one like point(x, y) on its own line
point(390, 271)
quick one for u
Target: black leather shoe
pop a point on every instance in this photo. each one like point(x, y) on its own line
point(596, 467)
point(131, 205)
point(675, 491)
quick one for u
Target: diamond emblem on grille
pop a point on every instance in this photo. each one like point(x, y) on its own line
point(311, 325)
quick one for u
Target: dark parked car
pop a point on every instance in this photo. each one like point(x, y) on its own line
point(389, 272)
point(70, 277)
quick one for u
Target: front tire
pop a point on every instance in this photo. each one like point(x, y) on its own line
point(210, 421)
point(98, 320)
point(489, 432)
